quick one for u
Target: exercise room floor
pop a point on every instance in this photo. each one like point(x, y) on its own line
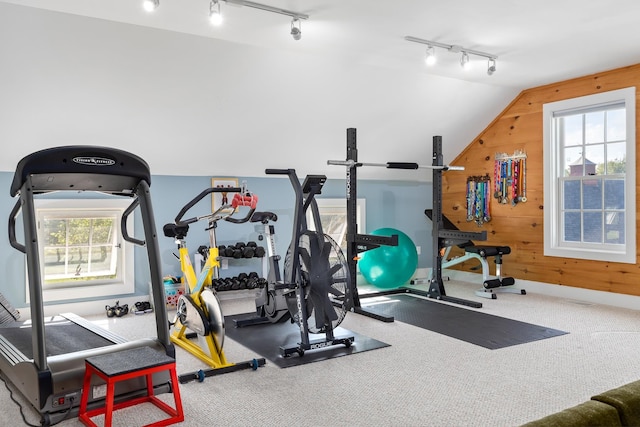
point(422, 379)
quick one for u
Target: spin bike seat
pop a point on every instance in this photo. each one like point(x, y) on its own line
point(263, 217)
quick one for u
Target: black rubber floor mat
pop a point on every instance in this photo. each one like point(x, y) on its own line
point(471, 326)
point(267, 339)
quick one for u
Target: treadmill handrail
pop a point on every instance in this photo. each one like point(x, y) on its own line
point(123, 224)
point(12, 228)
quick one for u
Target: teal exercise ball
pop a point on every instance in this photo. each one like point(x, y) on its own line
point(389, 267)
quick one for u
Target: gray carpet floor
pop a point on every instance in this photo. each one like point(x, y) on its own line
point(422, 379)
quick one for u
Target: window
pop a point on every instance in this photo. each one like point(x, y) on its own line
point(333, 215)
point(81, 248)
point(589, 170)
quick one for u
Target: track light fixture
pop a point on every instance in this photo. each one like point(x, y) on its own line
point(430, 59)
point(296, 29)
point(491, 66)
point(215, 16)
point(464, 59)
point(150, 5)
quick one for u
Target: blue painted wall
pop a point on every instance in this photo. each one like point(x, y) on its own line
point(397, 204)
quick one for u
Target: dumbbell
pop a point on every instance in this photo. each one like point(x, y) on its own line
point(204, 251)
point(236, 251)
point(247, 250)
point(258, 251)
point(242, 278)
point(252, 280)
point(224, 284)
point(228, 251)
point(235, 284)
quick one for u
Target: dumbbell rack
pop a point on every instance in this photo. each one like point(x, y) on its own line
point(244, 281)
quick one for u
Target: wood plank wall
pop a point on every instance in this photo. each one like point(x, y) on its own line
point(519, 127)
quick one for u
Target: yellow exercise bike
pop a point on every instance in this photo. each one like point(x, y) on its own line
point(198, 312)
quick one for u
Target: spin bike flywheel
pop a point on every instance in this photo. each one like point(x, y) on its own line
point(203, 320)
point(324, 277)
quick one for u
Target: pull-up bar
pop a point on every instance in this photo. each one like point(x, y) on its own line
point(393, 165)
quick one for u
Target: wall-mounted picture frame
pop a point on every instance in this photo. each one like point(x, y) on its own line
point(219, 199)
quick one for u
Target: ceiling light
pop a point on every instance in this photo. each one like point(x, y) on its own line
point(150, 5)
point(296, 29)
point(464, 61)
point(430, 59)
point(215, 17)
point(491, 66)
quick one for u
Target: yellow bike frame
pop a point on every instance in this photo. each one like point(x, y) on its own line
point(215, 356)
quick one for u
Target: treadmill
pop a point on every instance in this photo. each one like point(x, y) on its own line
point(45, 360)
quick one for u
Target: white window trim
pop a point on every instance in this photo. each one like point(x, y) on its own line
point(551, 160)
point(75, 292)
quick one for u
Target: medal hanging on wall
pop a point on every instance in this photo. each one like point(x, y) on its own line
point(510, 177)
point(478, 199)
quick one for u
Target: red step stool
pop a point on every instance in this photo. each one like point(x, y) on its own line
point(124, 365)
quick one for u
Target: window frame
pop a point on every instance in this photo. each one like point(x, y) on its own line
point(554, 169)
point(124, 282)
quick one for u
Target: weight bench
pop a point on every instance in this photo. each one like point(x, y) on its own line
point(491, 285)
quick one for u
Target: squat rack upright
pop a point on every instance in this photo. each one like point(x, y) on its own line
point(358, 243)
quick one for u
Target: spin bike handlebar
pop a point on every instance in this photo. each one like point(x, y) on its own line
point(238, 200)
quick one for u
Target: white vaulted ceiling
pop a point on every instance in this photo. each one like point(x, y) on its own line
point(194, 99)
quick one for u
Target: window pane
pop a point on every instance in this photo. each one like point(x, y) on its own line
point(616, 125)
point(614, 194)
point(592, 194)
point(54, 260)
point(102, 230)
point(594, 127)
point(79, 262)
point(616, 158)
point(54, 232)
point(571, 130)
point(572, 194)
point(101, 260)
point(614, 228)
point(572, 226)
point(79, 231)
point(335, 225)
point(573, 165)
point(593, 227)
point(594, 159)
